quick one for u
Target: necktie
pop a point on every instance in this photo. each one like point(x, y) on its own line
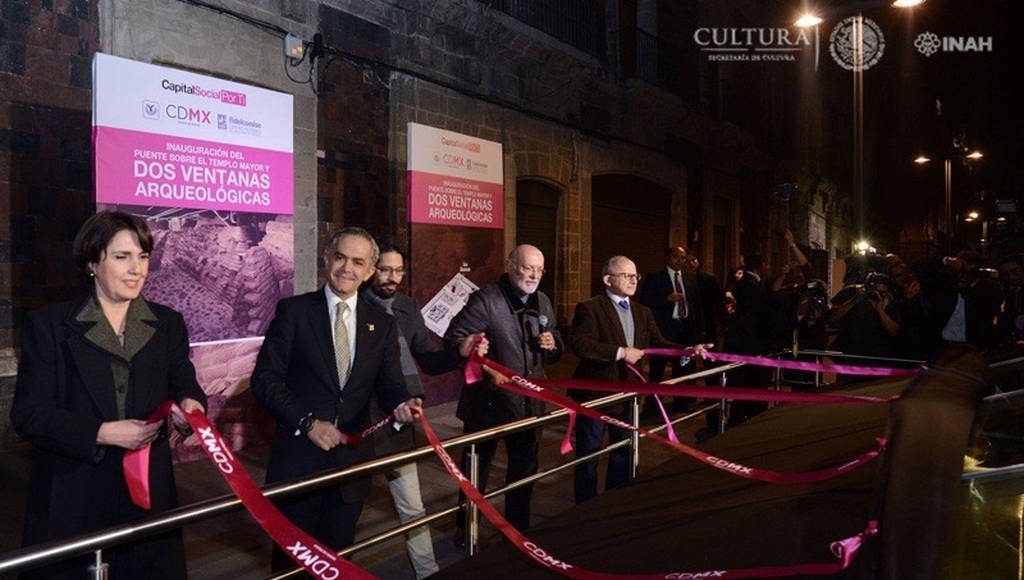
point(624, 304)
point(341, 352)
point(679, 290)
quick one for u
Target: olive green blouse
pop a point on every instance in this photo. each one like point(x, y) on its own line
point(136, 334)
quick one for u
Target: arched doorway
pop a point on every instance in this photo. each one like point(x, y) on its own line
point(629, 216)
point(537, 224)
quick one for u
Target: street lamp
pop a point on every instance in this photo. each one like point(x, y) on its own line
point(858, 48)
point(947, 188)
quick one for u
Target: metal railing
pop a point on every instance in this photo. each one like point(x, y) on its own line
point(96, 542)
point(822, 354)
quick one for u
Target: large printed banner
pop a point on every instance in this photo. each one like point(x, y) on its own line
point(454, 179)
point(208, 163)
point(457, 214)
point(171, 138)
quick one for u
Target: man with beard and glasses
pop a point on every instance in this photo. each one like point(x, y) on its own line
point(417, 347)
point(519, 322)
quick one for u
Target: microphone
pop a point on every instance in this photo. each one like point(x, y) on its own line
point(543, 320)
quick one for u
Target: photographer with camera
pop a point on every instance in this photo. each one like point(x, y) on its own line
point(867, 315)
point(812, 315)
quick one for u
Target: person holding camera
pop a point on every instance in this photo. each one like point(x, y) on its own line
point(867, 317)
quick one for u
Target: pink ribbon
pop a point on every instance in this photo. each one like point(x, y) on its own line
point(533, 389)
point(706, 392)
point(664, 414)
point(782, 364)
point(316, 558)
point(844, 550)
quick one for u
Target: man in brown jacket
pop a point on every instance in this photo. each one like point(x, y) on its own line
point(608, 331)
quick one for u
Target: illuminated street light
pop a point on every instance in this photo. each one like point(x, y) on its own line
point(947, 171)
point(973, 215)
point(857, 35)
point(808, 20)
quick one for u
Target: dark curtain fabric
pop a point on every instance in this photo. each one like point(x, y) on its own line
point(931, 426)
point(683, 516)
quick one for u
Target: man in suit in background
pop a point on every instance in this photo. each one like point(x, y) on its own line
point(608, 332)
point(519, 324)
point(325, 354)
point(673, 296)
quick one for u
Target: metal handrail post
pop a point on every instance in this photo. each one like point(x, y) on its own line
point(722, 419)
point(817, 373)
point(100, 570)
point(472, 512)
point(634, 437)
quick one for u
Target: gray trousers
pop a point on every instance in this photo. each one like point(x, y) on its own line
point(404, 483)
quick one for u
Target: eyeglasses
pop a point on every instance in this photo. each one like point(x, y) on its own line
point(389, 271)
point(527, 270)
point(630, 277)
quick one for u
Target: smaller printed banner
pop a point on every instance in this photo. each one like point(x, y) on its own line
point(454, 179)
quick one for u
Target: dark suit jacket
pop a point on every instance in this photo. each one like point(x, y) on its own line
point(508, 323)
point(597, 335)
point(982, 301)
point(65, 391)
point(296, 374)
point(654, 294)
point(747, 332)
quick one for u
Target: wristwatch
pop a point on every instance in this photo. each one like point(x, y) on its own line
point(306, 424)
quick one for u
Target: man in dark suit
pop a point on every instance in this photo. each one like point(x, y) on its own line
point(325, 354)
point(609, 331)
point(519, 324)
point(967, 306)
point(673, 297)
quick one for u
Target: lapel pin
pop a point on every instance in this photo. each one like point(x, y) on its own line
point(369, 327)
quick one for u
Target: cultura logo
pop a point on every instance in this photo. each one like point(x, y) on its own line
point(927, 43)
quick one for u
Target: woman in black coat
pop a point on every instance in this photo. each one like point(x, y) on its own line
point(91, 371)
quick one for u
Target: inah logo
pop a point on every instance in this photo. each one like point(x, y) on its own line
point(844, 45)
point(927, 43)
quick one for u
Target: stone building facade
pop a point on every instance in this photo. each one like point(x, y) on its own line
point(613, 127)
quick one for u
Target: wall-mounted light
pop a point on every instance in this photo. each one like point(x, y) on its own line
point(294, 47)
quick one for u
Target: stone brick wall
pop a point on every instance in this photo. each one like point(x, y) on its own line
point(46, 48)
point(353, 173)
